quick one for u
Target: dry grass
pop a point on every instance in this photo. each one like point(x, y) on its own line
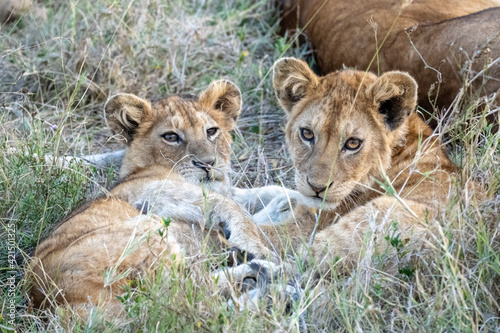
point(56, 74)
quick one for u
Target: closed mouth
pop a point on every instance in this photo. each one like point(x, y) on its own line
point(212, 176)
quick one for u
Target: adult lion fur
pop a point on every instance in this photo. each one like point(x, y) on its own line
point(442, 44)
point(11, 9)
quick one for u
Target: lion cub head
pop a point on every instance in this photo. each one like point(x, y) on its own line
point(342, 127)
point(189, 136)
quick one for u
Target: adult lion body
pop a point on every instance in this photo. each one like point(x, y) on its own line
point(174, 147)
point(11, 9)
point(446, 35)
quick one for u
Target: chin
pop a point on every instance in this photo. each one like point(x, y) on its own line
point(217, 184)
point(319, 203)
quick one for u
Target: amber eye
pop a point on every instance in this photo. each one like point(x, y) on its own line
point(171, 137)
point(352, 144)
point(212, 131)
point(307, 135)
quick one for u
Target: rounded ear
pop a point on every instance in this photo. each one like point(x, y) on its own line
point(292, 80)
point(225, 97)
point(395, 93)
point(123, 114)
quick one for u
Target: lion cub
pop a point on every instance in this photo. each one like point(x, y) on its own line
point(362, 154)
point(364, 161)
point(175, 148)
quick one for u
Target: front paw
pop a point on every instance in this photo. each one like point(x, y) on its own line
point(238, 228)
point(270, 288)
point(278, 211)
point(255, 199)
point(215, 210)
point(261, 271)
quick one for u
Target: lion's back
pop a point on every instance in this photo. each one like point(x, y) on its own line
point(72, 262)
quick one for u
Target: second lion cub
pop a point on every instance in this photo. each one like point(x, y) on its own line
point(364, 163)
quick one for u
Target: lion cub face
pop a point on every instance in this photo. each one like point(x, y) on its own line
point(189, 136)
point(342, 127)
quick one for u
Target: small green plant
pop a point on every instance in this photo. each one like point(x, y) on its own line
point(165, 222)
point(394, 240)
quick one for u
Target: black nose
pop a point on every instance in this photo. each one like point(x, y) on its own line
point(205, 165)
point(318, 190)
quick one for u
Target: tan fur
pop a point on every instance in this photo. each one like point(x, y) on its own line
point(119, 234)
point(397, 148)
point(70, 265)
point(10, 10)
point(447, 34)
